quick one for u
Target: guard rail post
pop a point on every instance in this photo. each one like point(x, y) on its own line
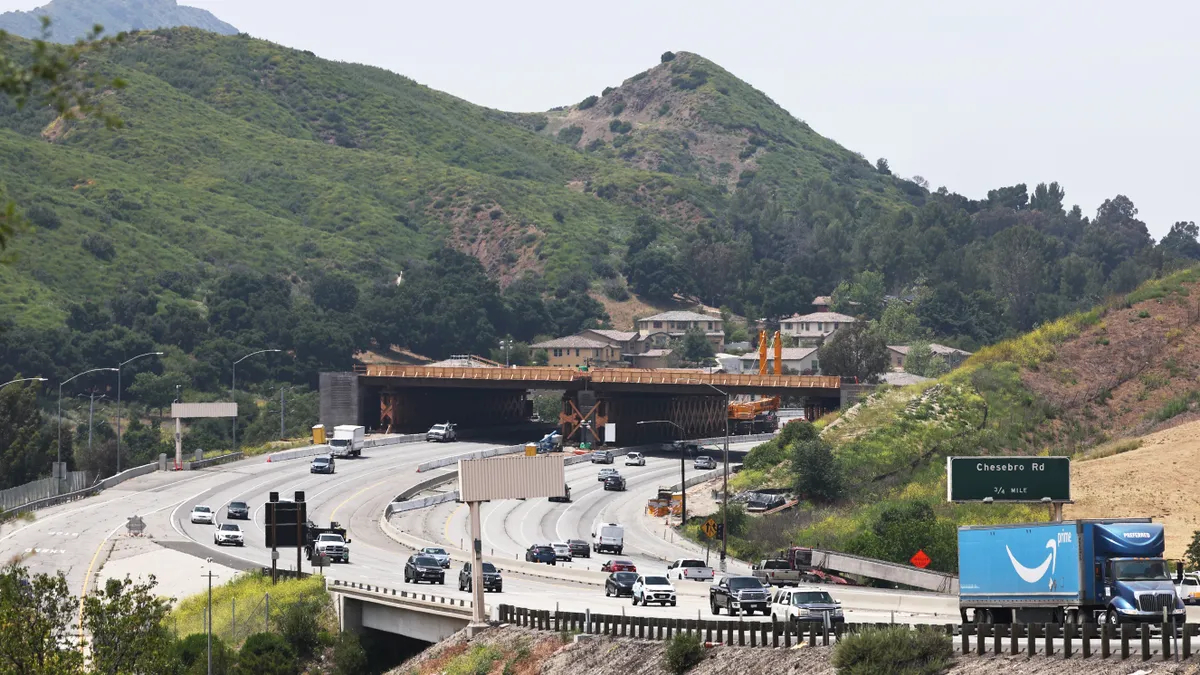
point(1124, 641)
point(1145, 641)
point(1031, 640)
point(1051, 628)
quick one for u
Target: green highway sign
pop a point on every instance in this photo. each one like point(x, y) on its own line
point(1008, 479)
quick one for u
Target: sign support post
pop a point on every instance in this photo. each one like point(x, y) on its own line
point(478, 610)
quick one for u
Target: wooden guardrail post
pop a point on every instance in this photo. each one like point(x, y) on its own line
point(1031, 640)
point(787, 635)
point(1085, 643)
point(1167, 633)
point(999, 631)
point(1051, 629)
point(966, 638)
point(1014, 643)
point(1186, 647)
point(812, 635)
point(741, 632)
point(1124, 641)
point(981, 638)
point(1145, 630)
point(774, 633)
point(1105, 635)
point(1068, 635)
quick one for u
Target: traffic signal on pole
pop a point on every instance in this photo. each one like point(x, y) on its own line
point(720, 530)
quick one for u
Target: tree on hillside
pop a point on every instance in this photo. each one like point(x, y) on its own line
point(1181, 240)
point(881, 165)
point(1047, 198)
point(126, 622)
point(655, 274)
point(335, 291)
point(695, 347)
point(899, 325)
point(922, 361)
point(1018, 271)
point(36, 628)
point(854, 351)
point(861, 296)
point(27, 442)
point(818, 474)
point(900, 530)
point(268, 654)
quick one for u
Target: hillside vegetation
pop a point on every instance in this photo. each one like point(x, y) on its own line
point(1058, 390)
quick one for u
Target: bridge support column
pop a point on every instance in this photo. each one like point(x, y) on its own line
point(351, 615)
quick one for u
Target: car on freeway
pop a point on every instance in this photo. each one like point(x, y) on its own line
point(1188, 588)
point(635, 459)
point(562, 551)
point(491, 578)
point(690, 568)
point(579, 548)
point(321, 464)
point(564, 497)
point(602, 457)
point(541, 553)
point(615, 483)
point(603, 474)
point(739, 594)
point(237, 511)
point(332, 545)
point(619, 584)
point(421, 567)
point(228, 533)
point(618, 565)
point(437, 553)
point(442, 433)
point(203, 514)
point(805, 605)
point(704, 463)
point(653, 588)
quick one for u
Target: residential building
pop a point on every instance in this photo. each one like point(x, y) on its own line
point(796, 360)
point(575, 351)
point(673, 325)
point(898, 354)
point(650, 359)
point(811, 330)
point(821, 303)
point(624, 341)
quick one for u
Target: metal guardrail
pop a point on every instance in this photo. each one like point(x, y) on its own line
point(336, 586)
point(43, 488)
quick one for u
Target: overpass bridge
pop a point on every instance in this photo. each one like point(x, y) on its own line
point(399, 399)
point(421, 616)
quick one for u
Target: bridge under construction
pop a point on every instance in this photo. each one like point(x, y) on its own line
point(639, 406)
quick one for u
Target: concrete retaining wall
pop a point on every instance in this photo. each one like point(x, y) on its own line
point(127, 474)
point(314, 450)
point(482, 454)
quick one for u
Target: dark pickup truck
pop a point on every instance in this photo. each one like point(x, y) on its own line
point(739, 594)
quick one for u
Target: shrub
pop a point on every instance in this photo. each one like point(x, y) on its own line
point(588, 102)
point(192, 655)
point(746, 177)
point(615, 289)
point(1143, 314)
point(349, 657)
point(607, 91)
point(747, 152)
point(570, 135)
point(300, 625)
point(559, 217)
point(495, 214)
point(667, 56)
point(619, 127)
point(99, 246)
point(683, 652)
point(664, 108)
point(267, 654)
point(617, 108)
point(693, 79)
point(594, 145)
point(639, 77)
point(765, 456)
point(43, 216)
point(897, 650)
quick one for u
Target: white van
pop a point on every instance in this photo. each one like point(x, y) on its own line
point(608, 537)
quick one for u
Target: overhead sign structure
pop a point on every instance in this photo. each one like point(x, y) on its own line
point(1008, 479)
point(184, 411)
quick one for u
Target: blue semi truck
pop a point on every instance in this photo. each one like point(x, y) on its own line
point(1073, 571)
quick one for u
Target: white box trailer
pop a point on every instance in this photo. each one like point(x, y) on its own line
point(347, 440)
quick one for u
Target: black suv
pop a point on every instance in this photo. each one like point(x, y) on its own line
point(616, 483)
point(423, 568)
point(238, 511)
point(579, 548)
point(541, 554)
point(491, 578)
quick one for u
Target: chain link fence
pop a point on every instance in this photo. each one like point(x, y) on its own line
point(232, 621)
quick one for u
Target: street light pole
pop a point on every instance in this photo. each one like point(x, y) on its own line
point(725, 477)
point(119, 367)
point(682, 470)
point(507, 346)
point(91, 415)
point(60, 386)
point(233, 387)
point(23, 379)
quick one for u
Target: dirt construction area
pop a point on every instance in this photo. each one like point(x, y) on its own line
point(1159, 480)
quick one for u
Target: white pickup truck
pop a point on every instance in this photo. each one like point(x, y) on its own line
point(334, 546)
point(689, 568)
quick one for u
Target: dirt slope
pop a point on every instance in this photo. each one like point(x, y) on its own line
point(1158, 480)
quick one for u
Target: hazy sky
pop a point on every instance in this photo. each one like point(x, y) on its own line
point(1098, 95)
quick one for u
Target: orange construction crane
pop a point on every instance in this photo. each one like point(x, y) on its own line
point(762, 352)
point(746, 411)
point(778, 354)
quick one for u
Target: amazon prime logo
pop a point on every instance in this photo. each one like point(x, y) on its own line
point(1034, 574)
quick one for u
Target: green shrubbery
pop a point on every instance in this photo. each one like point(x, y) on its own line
point(267, 654)
point(619, 127)
point(570, 135)
point(895, 650)
point(588, 102)
point(683, 652)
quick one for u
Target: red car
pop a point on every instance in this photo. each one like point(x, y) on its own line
point(619, 565)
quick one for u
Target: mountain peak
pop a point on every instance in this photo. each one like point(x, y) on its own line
point(73, 19)
point(689, 116)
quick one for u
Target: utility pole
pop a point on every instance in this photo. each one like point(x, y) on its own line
point(282, 429)
point(210, 576)
point(91, 415)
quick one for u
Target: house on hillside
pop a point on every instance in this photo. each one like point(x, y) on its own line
point(651, 359)
point(821, 303)
point(575, 351)
point(954, 358)
point(796, 360)
point(624, 341)
point(811, 330)
point(673, 325)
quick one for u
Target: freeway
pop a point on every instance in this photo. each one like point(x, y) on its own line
point(86, 539)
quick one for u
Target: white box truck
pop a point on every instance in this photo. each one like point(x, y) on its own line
point(608, 537)
point(347, 440)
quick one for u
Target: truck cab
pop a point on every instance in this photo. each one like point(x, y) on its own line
point(348, 440)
